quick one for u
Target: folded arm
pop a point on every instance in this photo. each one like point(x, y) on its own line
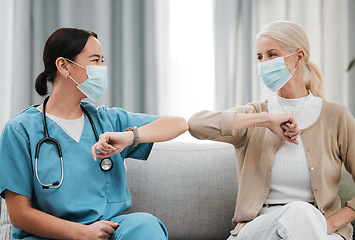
point(44, 225)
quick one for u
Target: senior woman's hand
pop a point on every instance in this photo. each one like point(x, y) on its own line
point(284, 126)
point(291, 130)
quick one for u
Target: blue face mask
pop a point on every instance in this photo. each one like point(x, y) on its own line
point(274, 73)
point(96, 84)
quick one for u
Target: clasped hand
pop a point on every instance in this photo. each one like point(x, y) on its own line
point(284, 126)
point(111, 143)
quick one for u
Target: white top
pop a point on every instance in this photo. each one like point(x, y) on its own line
point(290, 179)
point(72, 127)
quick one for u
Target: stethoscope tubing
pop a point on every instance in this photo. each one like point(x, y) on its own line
point(47, 138)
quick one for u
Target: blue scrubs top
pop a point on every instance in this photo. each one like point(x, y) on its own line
point(87, 194)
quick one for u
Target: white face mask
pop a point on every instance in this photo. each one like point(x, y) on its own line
point(274, 73)
point(96, 84)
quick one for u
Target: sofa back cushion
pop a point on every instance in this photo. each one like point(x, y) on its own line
point(190, 187)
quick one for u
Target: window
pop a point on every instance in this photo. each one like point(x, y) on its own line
point(189, 86)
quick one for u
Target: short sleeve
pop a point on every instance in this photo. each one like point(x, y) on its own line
point(15, 162)
point(122, 120)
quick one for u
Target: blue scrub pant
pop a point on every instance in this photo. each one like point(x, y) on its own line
point(139, 226)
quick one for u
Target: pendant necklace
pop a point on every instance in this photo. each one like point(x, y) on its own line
point(277, 97)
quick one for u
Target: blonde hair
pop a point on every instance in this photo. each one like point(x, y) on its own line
point(292, 37)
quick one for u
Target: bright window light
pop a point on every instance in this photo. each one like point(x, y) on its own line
point(191, 83)
point(191, 57)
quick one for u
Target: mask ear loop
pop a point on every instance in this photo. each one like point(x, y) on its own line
point(73, 79)
point(75, 63)
point(288, 56)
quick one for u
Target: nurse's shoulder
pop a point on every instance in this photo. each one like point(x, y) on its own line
point(28, 118)
point(118, 118)
point(112, 113)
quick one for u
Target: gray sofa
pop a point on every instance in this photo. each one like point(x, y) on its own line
point(191, 187)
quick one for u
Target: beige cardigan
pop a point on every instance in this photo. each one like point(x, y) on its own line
point(327, 143)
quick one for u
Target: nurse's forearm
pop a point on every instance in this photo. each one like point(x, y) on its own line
point(47, 226)
point(163, 129)
point(38, 223)
point(44, 225)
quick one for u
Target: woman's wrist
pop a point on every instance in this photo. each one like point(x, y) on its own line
point(247, 120)
point(262, 119)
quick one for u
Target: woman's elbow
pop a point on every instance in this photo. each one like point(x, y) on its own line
point(194, 126)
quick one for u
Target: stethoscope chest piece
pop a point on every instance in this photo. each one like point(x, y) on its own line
point(106, 164)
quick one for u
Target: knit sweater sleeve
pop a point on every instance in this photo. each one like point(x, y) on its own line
point(219, 125)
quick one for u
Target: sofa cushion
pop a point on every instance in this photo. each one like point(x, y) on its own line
point(346, 188)
point(5, 224)
point(190, 187)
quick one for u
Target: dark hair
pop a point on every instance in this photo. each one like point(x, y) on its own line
point(64, 42)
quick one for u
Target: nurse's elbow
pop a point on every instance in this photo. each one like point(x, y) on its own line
point(175, 125)
point(20, 219)
point(16, 220)
point(183, 125)
point(19, 208)
point(15, 223)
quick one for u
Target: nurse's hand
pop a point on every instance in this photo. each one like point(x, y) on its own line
point(100, 230)
point(111, 143)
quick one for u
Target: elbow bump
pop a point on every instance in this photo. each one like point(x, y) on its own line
point(185, 125)
point(181, 124)
point(193, 124)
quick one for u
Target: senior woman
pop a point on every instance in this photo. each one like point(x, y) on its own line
point(289, 148)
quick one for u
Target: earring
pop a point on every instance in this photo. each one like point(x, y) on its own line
point(66, 76)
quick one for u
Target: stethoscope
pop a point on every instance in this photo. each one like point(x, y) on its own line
point(106, 164)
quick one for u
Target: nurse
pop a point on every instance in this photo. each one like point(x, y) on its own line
point(73, 197)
